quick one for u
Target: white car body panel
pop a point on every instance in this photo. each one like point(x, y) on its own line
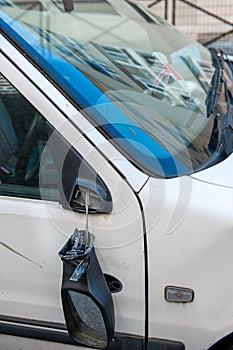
point(220, 174)
point(189, 230)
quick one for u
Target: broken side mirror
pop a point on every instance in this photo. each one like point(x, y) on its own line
point(76, 177)
point(87, 301)
point(99, 196)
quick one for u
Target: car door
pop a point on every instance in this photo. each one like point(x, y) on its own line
point(34, 222)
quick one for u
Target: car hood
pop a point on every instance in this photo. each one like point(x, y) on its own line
point(221, 174)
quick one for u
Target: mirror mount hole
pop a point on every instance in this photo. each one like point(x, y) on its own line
point(114, 285)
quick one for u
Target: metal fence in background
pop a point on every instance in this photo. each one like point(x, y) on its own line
point(208, 21)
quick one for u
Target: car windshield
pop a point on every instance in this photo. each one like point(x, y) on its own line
point(136, 78)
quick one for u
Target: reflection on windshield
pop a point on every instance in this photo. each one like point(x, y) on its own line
point(149, 69)
point(155, 87)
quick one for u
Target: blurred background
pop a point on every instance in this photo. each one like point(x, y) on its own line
point(208, 21)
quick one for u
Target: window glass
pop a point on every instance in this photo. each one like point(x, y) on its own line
point(142, 83)
point(23, 137)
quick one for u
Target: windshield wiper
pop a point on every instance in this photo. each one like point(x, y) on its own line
point(212, 99)
point(227, 124)
point(227, 119)
point(216, 82)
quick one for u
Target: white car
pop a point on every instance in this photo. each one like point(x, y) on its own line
point(116, 180)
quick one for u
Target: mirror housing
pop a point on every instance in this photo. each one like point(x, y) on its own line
point(86, 298)
point(99, 197)
point(76, 177)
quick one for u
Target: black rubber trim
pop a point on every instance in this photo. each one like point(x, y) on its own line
point(146, 269)
point(36, 332)
point(28, 322)
point(58, 334)
point(134, 343)
point(163, 344)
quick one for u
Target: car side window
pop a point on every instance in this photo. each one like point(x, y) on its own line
point(23, 144)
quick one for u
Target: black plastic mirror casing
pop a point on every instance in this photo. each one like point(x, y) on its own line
point(98, 189)
point(72, 170)
point(93, 285)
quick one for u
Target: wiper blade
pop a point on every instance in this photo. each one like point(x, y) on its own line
point(227, 124)
point(216, 82)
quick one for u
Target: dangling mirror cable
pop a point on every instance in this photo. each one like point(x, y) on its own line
point(79, 245)
point(87, 199)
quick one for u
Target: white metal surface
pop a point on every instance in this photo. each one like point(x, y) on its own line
point(190, 239)
point(221, 174)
